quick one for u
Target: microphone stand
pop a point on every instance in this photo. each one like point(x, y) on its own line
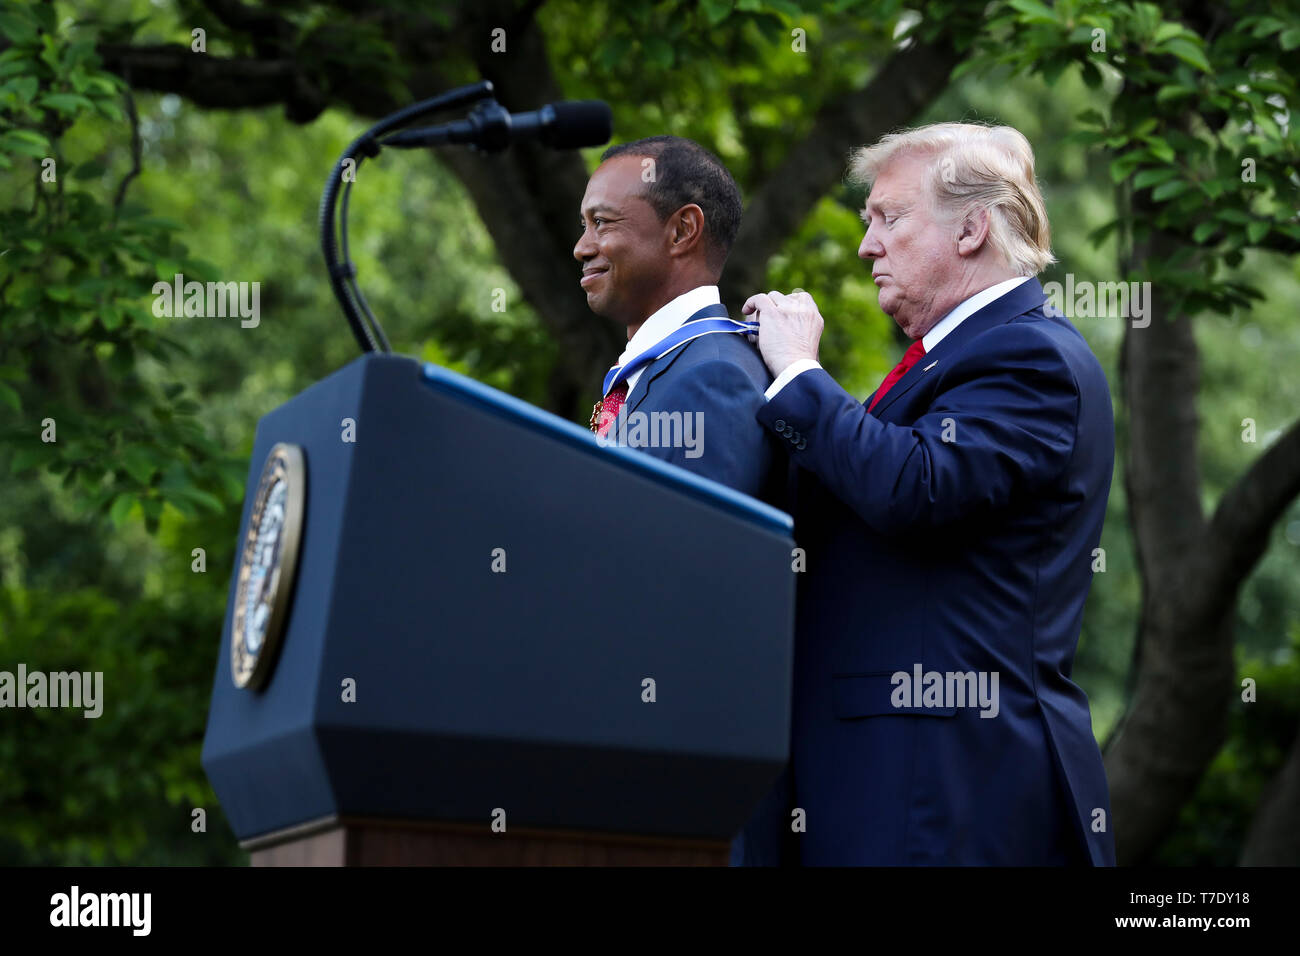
point(342, 275)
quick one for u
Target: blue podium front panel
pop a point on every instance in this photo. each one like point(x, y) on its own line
point(578, 635)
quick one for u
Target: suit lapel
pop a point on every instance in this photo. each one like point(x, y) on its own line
point(904, 384)
point(1023, 298)
point(652, 372)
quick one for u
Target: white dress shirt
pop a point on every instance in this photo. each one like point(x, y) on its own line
point(664, 321)
point(964, 310)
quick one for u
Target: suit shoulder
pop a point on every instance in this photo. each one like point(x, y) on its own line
point(1039, 341)
point(732, 348)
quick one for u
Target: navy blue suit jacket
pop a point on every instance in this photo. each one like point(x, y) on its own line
point(718, 379)
point(952, 527)
point(722, 378)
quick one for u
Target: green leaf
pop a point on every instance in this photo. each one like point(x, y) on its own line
point(1203, 231)
point(1214, 188)
point(1168, 30)
point(139, 464)
point(91, 170)
point(10, 397)
point(1122, 167)
point(1150, 177)
point(67, 102)
point(1235, 216)
point(122, 506)
point(1290, 39)
point(17, 28)
point(203, 498)
point(25, 87)
point(1160, 149)
point(1175, 187)
point(28, 457)
point(30, 136)
point(1173, 91)
point(1034, 12)
point(12, 142)
point(1266, 26)
point(1257, 230)
point(789, 8)
point(1187, 51)
point(111, 110)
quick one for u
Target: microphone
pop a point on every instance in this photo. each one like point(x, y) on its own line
point(490, 127)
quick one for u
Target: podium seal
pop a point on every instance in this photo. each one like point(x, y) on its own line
point(267, 565)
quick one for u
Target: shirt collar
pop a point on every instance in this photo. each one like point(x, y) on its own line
point(668, 318)
point(966, 309)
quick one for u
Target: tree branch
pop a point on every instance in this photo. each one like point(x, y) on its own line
point(134, 171)
point(528, 197)
point(1239, 531)
point(216, 82)
point(267, 30)
point(908, 82)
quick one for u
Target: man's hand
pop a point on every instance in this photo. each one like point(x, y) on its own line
point(789, 327)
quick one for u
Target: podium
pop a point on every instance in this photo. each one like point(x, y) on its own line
point(476, 635)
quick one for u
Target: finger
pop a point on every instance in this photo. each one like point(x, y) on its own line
point(756, 303)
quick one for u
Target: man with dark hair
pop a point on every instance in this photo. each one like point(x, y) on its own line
point(658, 220)
point(691, 175)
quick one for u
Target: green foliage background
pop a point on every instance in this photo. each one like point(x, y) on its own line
point(155, 416)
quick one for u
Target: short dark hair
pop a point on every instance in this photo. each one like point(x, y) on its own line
point(686, 172)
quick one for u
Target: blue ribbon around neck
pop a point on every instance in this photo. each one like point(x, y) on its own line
point(710, 319)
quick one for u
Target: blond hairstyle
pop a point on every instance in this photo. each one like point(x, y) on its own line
point(975, 167)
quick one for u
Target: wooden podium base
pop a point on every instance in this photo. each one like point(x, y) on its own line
point(346, 841)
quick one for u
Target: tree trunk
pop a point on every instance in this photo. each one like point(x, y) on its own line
point(1191, 570)
point(1274, 837)
point(1178, 715)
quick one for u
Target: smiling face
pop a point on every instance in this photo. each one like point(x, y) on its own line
point(913, 250)
point(624, 247)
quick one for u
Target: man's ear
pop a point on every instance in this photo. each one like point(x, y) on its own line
point(685, 230)
point(973, 233)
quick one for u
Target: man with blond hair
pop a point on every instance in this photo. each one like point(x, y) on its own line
point(949, 525)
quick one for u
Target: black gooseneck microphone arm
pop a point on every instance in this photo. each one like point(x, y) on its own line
point(342, 275)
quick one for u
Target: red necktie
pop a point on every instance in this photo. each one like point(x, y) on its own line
point(910, 358)
point(608, 409)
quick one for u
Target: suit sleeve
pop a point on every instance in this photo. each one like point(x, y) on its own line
point(730, 447)
point(1002, 421)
